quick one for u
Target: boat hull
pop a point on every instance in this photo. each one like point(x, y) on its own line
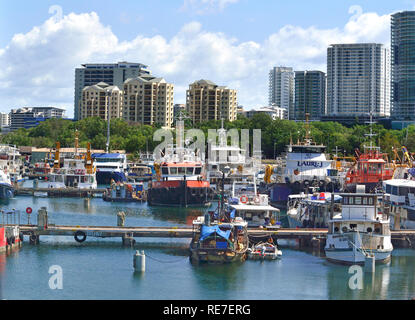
point(216, 256)
point(104, 177)
point(179, 193)
point(353, 256)
point(6, 191)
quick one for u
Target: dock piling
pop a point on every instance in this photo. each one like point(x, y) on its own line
point(139, 261)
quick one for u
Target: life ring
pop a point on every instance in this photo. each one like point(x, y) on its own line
point(256, 200)
point(270, 240)
point(80, 236)
point(28, 210)
point(243, 199)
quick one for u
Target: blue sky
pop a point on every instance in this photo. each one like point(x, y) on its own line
point(231, 42)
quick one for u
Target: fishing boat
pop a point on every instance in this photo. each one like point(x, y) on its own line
point(360, 230)
point(74, 172)
point(306, 165)
point(252, 207)
point(264, 251)
point(6, 186)
point(216, 241)
point(370, 169)
point(110, 166)
point(311, 210)
point(180, 177)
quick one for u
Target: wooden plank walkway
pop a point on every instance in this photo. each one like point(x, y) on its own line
point(177, 232)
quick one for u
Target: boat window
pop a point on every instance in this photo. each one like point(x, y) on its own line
point(364, 200)
point(165, 170)
point(403, 191)
point(370, 200)
point(394, 190)
point(379, 168)
point(189, 170)
point(173, 170)
point(181, 170)
point(198, 170)
point(358, 200)
point(365, 168)
point(412, 190)
point(346, 200)
point(388, 188)
point(351, 200)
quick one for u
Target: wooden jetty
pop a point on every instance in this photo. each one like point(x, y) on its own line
point(60, 192)
point(306, 237)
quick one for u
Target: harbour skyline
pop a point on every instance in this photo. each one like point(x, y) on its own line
point(201, 42)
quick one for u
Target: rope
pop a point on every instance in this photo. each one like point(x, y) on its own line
point(161, 261)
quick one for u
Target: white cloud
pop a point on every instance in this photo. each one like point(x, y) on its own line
point(37, 68)
point(206, 6)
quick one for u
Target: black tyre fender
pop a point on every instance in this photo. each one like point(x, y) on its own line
point(80, 236)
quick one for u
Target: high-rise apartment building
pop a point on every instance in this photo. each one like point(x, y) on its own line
point(110, 73)
point(310, 95)
point(281, 87)
point(358, 80)
point(207, 101)
point(148, 100)
point(99, 100)
point(403, 65)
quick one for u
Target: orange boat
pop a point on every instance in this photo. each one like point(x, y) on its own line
point(371, 168)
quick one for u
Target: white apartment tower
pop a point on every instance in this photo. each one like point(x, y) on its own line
point(358, 80)
point(281, 87)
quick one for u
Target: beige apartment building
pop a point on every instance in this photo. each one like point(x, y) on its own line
point(148, 100)
point(207, 101)
point(98, 99)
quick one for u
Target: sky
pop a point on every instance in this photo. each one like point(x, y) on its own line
point(230, 42)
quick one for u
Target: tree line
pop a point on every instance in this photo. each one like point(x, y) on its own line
point(275, 134)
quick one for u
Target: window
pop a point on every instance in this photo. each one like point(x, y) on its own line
point(370, 200)
point(165, 170)
point(351, 200)
point(198, 170)
point(346, 200)
point(358, 200)
point(189, 170)
point(364, 200)
point(181, 170)
point(173, 170)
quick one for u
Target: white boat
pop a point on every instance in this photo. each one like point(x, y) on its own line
point(359, 230)
point(76, 172)
point(6, 186)
point(223, 158)
point(310, 210)
point(110, 166)
point(251, 206)
point(11, 162)
point(264, 251)
point(400, 195)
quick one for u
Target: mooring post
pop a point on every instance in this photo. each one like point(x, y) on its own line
point(370, 263)
point(139, 261)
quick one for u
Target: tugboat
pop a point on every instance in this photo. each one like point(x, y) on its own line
point(306, 166)
point(360, 230)
point(370, 170)
point(110, 166)
point(181, 179)
point(222, 240)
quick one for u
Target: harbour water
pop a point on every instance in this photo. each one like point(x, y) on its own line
point(103, 269)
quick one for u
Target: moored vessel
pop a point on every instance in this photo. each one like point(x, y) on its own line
point(360, 230)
